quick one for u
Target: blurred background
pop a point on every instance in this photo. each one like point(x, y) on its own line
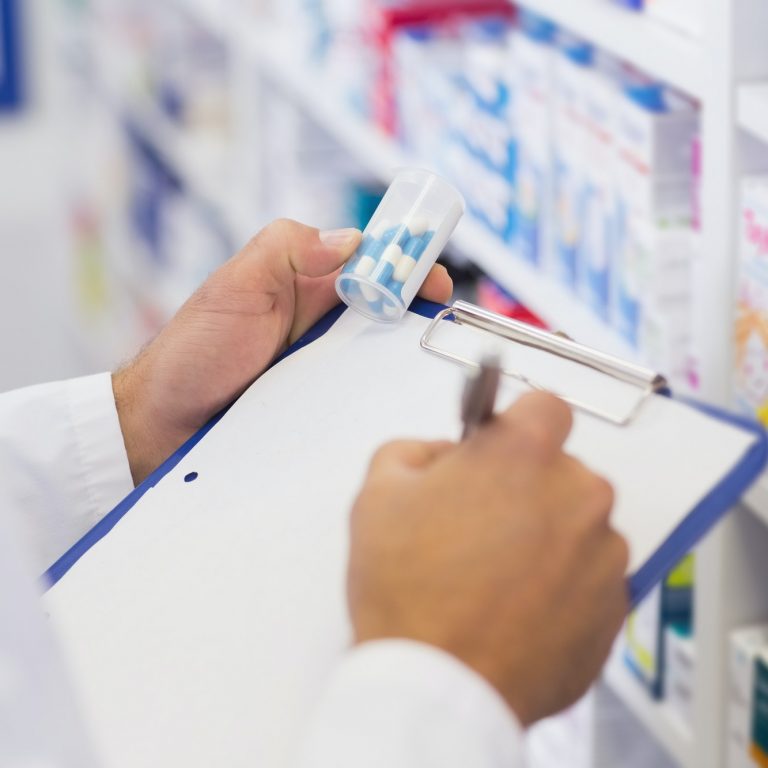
point(143, 142)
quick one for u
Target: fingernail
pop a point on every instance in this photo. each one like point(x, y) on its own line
point(340, 238)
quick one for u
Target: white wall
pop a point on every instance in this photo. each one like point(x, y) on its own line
point(35, 271)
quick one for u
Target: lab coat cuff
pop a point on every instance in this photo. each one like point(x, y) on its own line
point(105, 475)
point(416, 705)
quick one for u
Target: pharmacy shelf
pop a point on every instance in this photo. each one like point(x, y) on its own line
point(197, 162)
point(658, 50)
point(757, 499)
point(213, 15)
point(665, 725)
point(752, 109)
point(554, 303)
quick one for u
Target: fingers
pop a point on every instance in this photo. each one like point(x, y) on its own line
point(286, 248)
point(316, 296)
point(595, 493)
point(542, 421)
point(408, 454)
point(438, 286)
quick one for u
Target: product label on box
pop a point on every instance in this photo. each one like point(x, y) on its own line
point(530, 218)
point(759, 747)
point(751, 336)
point(654, 170)
point(745, 645)
point(570, 142)
point(534, 96)
point(596, 248)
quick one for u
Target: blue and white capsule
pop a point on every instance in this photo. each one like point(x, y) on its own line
point(402, 241)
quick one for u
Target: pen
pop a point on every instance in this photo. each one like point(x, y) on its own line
point(480, 395)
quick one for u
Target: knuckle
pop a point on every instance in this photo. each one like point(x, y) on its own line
point(385, 455)
point(560, 409)
point(282, 225)
point(557, 411)
point(597, 495)
point(621, 552)
point(535, 439)
point(602, 493)
point(277, 230)
point(381, 454)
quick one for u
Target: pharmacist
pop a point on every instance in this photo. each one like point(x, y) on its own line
point(485, 581)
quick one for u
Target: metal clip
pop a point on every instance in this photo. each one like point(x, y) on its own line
point(464, 313)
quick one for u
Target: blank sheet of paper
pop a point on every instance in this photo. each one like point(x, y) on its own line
point(204, 626)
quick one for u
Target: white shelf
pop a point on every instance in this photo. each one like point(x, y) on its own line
point(553, 302)
point(752, 109)
point(658, 50)
point(656, 716)
point(757, 499)
point(198, 162)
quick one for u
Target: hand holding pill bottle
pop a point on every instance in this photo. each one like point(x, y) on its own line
point(400, 245)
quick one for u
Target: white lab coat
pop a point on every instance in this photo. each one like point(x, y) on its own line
point(391, 703)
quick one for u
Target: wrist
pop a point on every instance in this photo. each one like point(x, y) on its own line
point(140, 431)
point(514, 687)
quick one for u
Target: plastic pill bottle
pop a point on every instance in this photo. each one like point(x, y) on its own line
point(402, 241)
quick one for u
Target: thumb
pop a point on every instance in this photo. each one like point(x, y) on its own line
point(542, 420)
point(285, 248)
point(402, 455)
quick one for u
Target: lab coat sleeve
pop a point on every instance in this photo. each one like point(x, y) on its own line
point(63, 462)
point(402, 704)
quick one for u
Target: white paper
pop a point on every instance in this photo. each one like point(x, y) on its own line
point(203, 627)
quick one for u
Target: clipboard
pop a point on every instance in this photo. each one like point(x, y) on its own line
point(11, 86)
point(701, 518)
point(161, 612)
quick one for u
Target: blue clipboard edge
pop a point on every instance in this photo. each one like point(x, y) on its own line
point(700, 520)
point(697, 523)
point(11, 85)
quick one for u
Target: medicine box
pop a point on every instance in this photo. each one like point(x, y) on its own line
point(744, 646)
point(680, 656)
point(534, 55)
point(751, 332)
point(671, 602)
point(653, 291)
point(596, 250)
point(571, 75)
point(484, 159)
point(758, 748)
point(430, 106)
point(486, 80)
point(654, 143)
point(654, 212)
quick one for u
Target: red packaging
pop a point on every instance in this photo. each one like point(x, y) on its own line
point(388, 18)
